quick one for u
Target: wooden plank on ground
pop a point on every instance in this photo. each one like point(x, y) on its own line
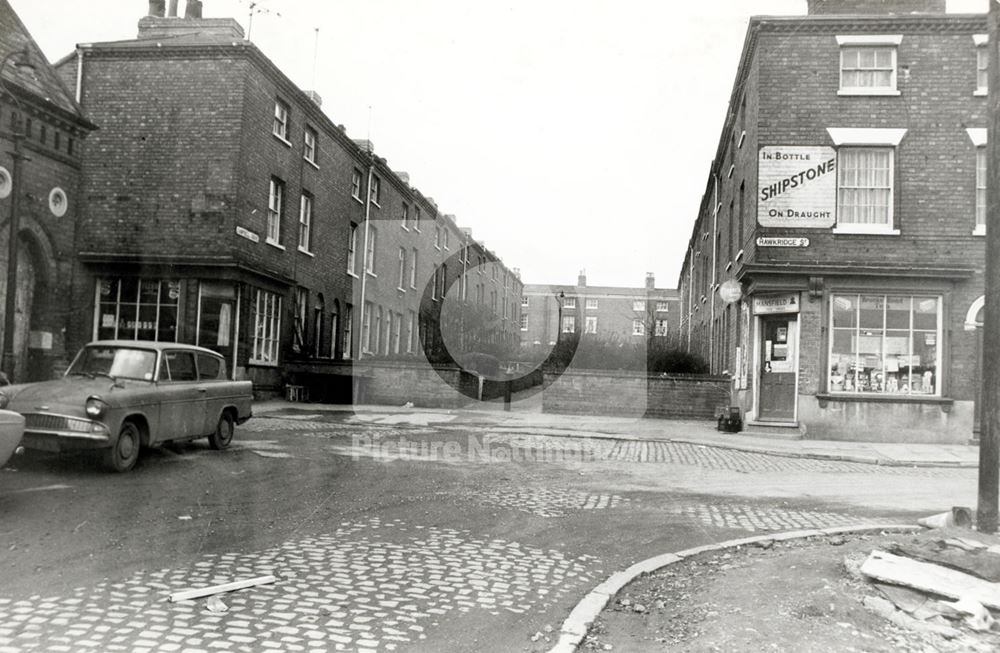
point(927, 577)
point(197, 593)
point(978, 563)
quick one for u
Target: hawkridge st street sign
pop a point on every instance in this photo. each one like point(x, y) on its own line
point(774, 241)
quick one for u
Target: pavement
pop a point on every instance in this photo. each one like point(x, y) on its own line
point(526, 417)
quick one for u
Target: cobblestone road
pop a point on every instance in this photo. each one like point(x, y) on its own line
point(414, 443)
point(367, 586)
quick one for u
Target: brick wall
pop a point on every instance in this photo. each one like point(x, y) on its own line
point(396, 383)
point(636, 395)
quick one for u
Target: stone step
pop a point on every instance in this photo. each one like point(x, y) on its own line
point(774, 430)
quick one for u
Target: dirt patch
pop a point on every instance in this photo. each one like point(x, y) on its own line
point(782, 596)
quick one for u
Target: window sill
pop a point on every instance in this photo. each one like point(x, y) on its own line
point(729, 266)
point(282, 139)
point(732, 169)
point(980, 230)
point(274, 243)
point(263, 363)
point(404, 227)
point(863, 231)
point(739, 255)
point(980, 92)
point(885, 399)
point(311, 162)
point(868, 92)
point(400, 289)
point(743, 137)
point(358, 200)
point(371, 274)
point(376, 204)
point(352, 274)
point(306, 252)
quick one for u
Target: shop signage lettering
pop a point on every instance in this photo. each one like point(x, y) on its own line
point(776, 304)
point(246, 233)
point(798, 187)
point(769, 241)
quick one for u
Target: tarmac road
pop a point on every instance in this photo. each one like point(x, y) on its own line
point(389, 531)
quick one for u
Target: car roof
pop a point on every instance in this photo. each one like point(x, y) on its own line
point(152, 344)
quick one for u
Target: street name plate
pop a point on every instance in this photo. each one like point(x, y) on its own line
point(772, 241)
point(246, 233)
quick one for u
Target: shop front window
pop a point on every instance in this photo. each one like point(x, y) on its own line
point(885, 344)
point(130, 308)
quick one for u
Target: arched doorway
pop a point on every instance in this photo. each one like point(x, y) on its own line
point(974, 322)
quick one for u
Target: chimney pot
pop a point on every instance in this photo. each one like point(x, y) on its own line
point(157, 8)
point(581, 279)
point(650, 281)
point(192, 9)
point(172, 8)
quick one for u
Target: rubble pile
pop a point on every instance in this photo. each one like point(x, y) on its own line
point(943, 585)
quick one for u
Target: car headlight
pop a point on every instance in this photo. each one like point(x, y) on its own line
point(4, 400)
point(96, 407)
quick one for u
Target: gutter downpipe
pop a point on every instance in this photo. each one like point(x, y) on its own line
point(715, 270)
point(364, 258)
point(689, 293)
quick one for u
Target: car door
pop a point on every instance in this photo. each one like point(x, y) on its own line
point(183, 397)
point(212, 377)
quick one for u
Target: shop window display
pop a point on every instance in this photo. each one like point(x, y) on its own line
point(886, 344)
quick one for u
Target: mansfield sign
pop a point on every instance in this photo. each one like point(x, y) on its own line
point(798, 187)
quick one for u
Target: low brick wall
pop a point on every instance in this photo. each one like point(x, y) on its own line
point(494, 389)
point(397, 383)
point(597, 392)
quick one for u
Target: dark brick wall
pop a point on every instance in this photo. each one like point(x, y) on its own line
point(621, 393)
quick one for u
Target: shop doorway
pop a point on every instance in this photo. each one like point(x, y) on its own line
point(777, 373)
point(216, 313)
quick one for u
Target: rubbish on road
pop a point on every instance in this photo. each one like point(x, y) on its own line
point(215, 604)
point(983, 565)
point(886, 609)
point(957, 516)
point(932, 578)
point(184, 517)
point(965, 543)
point(198, 593)
point(979, 618)
point(408, 404)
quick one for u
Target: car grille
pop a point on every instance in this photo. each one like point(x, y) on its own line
point(43, 422)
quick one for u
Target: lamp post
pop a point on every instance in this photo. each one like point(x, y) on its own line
point(18, 58)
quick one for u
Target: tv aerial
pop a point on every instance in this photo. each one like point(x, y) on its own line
point(257, 7)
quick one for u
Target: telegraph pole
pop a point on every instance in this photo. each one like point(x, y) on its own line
point(989, 441)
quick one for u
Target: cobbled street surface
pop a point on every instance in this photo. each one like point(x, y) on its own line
point(387, 532)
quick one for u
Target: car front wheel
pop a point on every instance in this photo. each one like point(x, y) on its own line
point(122, 456)
point(223, 432)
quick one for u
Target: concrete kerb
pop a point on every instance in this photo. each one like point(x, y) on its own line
point(574, 629)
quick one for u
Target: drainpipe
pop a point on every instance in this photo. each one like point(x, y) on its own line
point(79, 71)
point(364, 258)
point(689, 294)
point(715, 266)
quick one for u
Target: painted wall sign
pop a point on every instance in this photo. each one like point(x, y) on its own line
point(776, 304)
point(246, 233)
point(773, 241)
point(797, 186)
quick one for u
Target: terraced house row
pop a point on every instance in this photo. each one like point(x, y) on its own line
point(836, 264)
point(217, 204)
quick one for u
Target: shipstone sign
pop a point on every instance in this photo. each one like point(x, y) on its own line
point(797, 187)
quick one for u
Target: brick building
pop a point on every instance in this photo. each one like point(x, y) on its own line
point(225, 208)
point(614, 314)
point(843, 218)
point(37, 110)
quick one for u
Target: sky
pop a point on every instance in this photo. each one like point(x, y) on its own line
point(567, 135)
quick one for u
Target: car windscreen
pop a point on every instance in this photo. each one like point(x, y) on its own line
point(119, 362)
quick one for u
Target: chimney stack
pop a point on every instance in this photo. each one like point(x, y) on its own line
point(312, 95)
point(192, 9)
point(172, 9)
point(650, 281)
point(157, 8)
point(875, 7)
point(581, 279)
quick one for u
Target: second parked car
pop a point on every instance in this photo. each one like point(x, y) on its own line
point(118, 396)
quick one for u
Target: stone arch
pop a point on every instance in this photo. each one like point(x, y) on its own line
point(973, 319)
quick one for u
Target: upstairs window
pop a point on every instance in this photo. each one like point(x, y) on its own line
point(274, 204)
point(638, 305)
point(978, 137)
point(864, 195)
point(375, 192)
point(356, 184)
point(592, 304)
point(309, 145)
point(570, 302)
point(868, 64)
point(370, 251)
point(638, 328)
point(982, 63)
point(352, 250)
point(280, 125)
point(305, 222)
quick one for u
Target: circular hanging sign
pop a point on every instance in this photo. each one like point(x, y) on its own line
point(731, 291)
point(6, 183)
point(58, 203)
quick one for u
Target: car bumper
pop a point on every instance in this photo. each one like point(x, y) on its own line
point(50, 432)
